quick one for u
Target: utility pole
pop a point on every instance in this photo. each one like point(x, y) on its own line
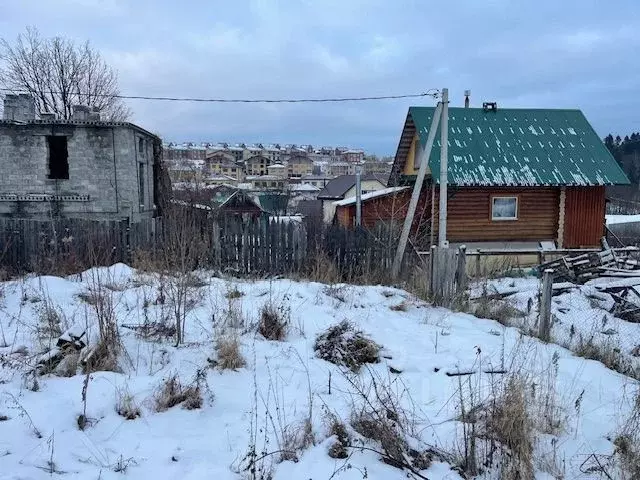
point(444, 152)
point(417, 188)
point(358, 198)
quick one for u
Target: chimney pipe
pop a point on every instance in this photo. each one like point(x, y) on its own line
point(467, 94)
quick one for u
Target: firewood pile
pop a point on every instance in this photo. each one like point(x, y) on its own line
point(579, 269)
point(626, 300)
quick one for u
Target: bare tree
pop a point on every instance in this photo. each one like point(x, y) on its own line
point(59, 73)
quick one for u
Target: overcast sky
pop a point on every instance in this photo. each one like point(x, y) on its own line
point(543, 53)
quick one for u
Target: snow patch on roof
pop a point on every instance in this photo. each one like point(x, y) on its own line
point(369, 196)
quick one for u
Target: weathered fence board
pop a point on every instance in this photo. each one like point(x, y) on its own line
point(256, 246)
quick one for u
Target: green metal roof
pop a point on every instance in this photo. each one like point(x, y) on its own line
point(525, 147)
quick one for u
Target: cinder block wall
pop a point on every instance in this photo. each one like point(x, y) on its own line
point(104, 164)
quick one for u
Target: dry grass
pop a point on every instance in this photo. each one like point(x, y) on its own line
point(608, 353)
point(322, 269)
point(68, 366)
point(51, 322)
point(172, 393)
point(233, 293)
point(339, 448)
point(510, 424)
point(627, 443)
point(339, 292)
point(502, 311)
point(384, 413)
point(126, 405)
point(274, 321)
point(403, 306)
point(378, 427)
point(295, 438)
point(229, 355)
point(89, 297)
point(343, 345)
point(102, 357)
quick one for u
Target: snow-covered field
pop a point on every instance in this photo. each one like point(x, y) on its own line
point(581, 315)
point(283, 384)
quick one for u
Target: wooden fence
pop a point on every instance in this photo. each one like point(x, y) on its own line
point(252, 246)
point(32, 245)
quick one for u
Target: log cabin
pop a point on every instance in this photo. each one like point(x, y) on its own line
point(518, 178)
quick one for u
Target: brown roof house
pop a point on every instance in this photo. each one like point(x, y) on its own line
point(343, 187)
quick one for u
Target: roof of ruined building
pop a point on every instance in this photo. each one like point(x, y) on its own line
point(515, 147)
point(78, 123)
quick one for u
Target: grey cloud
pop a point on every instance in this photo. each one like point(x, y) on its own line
point(545, 53)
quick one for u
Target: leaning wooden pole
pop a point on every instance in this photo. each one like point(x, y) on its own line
point(417, 188)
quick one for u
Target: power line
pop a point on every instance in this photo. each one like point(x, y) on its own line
point(429, 93)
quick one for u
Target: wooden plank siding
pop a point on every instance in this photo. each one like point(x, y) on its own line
point(388, 208)
point(584, 216)
point(469, 214)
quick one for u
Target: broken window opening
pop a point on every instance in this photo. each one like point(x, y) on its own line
point(141, 185)
point(58, 157)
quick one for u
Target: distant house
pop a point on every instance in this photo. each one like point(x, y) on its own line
point(386, 205)
point(223, 164)
point(517, 177)
point(337, 169)
point(277, 170)
point(266, 182)
point(257, 165)
point(376, 167)
point(299, 166)
point(309, 192)
point(353, 156)
point(319, 181)
point(344, 187)
point(231, 202)
point(83, 167)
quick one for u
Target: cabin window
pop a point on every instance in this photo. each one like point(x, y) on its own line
point(58, 157)
point(504, 208)
point(141, 146)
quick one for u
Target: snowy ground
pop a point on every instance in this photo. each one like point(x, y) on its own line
point(615, 219)
point(282, 380)
point(580, 315)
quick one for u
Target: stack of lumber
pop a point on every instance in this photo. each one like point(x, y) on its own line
point(587, 266)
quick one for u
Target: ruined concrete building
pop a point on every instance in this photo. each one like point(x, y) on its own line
point(81, 167)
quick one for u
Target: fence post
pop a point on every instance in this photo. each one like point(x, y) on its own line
point(461, 273)
point(544, 310)
point(215, 237)
point(432, 268)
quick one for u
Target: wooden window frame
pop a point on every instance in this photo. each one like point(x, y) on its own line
point(510, 219)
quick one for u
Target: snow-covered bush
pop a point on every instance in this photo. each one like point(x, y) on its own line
point(274, 321)
point(126, 405)
point(172, 393)
point(344, 345)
